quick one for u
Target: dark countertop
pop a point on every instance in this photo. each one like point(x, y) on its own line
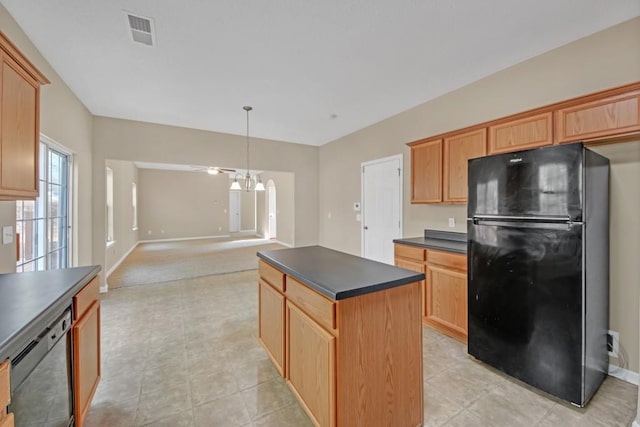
point(31, 301)
point(440, 240)
point(336, 274)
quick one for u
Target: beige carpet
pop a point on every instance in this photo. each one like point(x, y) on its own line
point(186, 259)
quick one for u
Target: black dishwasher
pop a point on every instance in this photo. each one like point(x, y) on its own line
point(41, 381)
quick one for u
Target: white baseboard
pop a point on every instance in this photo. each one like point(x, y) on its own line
point(104, 289)
point(283, 243)
point(114, 266)
point(251, 230)
point(177, 239)
point(624, 375)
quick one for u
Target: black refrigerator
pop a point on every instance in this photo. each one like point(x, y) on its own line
point(538, 273)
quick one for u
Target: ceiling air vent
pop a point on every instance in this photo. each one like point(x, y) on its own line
point(141, 29)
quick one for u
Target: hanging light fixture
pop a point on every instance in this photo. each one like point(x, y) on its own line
point(250, 182)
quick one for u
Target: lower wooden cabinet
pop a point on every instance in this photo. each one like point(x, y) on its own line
point(444, 290)
point(6, 419)
point(420, 268)
point(85, 335)
point(446, 293)
point(311, 356)
point(86, 360)
point(271, 323)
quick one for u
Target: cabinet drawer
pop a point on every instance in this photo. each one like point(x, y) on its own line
point(447, 259)
point(271, 275)
point(320, 308)
point(5, 391)
point(412, 252)
point(83, 299)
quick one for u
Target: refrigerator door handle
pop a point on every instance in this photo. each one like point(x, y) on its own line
point(524, 221)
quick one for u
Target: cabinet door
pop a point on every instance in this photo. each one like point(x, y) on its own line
point(420, 268)
point(5, 390)
point(608, 117)
point(426, 172)
point(530, 132)
point(446, 301)
point(18, 133)
point(86, 360)
point(311, 373)
point(457, 151)
point(271, 323)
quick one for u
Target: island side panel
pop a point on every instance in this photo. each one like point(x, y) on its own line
point(379, 360)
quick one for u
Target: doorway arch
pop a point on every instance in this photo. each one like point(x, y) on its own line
point(272, 210)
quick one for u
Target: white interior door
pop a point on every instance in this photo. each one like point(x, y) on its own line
point(381, 207)
point(272, 211)
point(234, 211)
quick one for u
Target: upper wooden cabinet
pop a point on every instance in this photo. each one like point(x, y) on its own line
point(458, 150)
point(439, 162)
point(521, 134)
point(606, 117)
point(439, 167)
point(19, 123)
point(426, 172)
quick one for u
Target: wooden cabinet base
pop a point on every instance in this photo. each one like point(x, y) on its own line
point(7, 420)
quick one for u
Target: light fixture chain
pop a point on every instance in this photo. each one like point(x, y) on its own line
point(248, 168)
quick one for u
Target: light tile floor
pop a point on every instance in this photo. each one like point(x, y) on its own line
point(185, 353)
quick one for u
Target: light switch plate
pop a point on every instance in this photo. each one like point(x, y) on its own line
point(452, 222)
point(7, 234)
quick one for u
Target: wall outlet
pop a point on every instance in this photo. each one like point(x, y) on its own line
point(358, 217)
point(452, 222)
point(219, 228)
point(613, 343)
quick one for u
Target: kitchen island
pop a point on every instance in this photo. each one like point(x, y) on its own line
point(346, 334)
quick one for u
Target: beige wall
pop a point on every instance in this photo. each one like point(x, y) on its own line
point(64, 119)
point(624, 229)
point(137, 141)
point(285, 207)
point(125, 237)
point(175, 204)
point(247, 210)
point(604, 60)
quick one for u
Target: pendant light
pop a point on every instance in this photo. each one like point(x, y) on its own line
point(250, 182)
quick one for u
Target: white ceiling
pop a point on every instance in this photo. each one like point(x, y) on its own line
point(296, 62)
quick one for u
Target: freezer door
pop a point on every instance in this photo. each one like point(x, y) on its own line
point(542, 182)
point(525, 303)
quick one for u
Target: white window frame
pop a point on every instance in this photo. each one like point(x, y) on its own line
point(134, 205)
point(53, 145)
point(110, 229)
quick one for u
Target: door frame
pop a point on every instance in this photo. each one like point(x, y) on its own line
point(363, 208)
point(272, 192)
point(232, 194)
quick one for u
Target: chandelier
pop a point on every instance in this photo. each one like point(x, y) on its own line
point(250, 183)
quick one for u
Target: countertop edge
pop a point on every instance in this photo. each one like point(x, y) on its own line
point(439, 247)
point(344, 294)
point(48, 315)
